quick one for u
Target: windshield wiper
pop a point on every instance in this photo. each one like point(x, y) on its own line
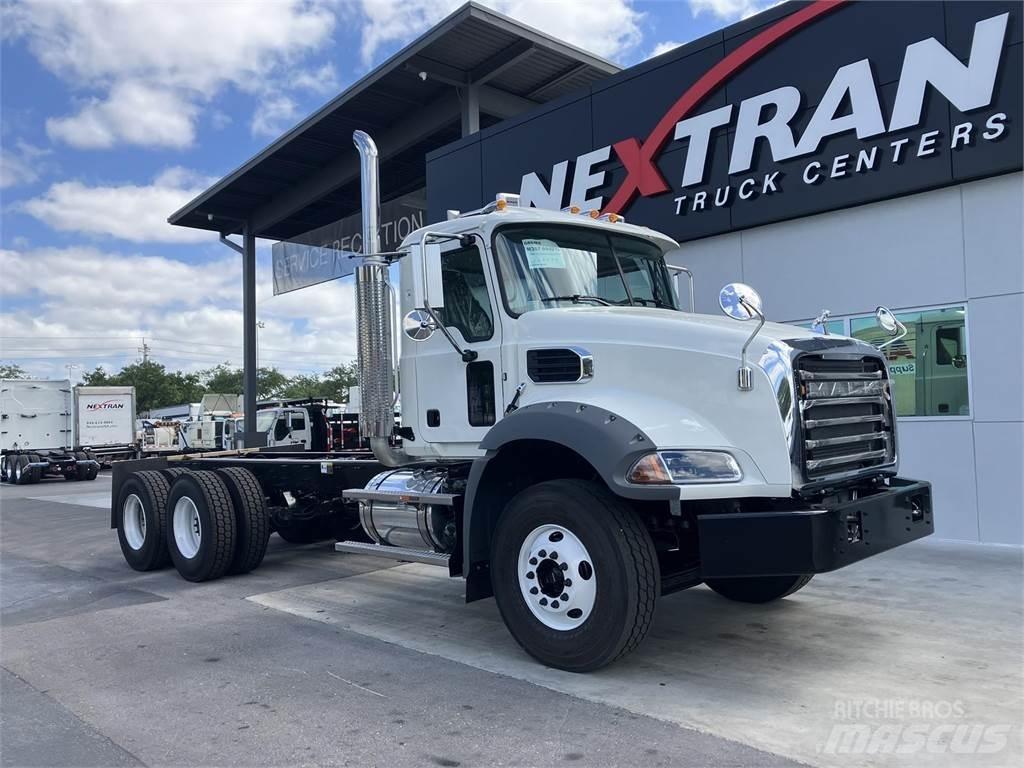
point(656, 302)
point(577, 298)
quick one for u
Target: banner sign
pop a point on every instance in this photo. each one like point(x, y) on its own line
point(807, 108)
point(332, 251)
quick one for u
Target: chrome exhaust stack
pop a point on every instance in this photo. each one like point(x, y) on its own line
point(377, 379)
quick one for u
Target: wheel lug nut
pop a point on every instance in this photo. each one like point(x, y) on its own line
point(543, 601)
point(553, 555)
point(564, 566)
point(542, 553)
point(529, 574)
point(533, 561)
point(564, 597)
point(568, 582)
point(533, 590)
point(554, 603)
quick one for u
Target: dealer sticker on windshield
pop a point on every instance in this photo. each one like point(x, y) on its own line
point(543, 254)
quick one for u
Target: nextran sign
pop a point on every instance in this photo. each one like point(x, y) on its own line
point(775, 146)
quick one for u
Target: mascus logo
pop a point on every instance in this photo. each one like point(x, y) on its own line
point(106, 405)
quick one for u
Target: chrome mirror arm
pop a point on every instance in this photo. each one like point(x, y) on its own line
point(467, 355)
point(675, 272)
point(745, 376)
point(901, 332)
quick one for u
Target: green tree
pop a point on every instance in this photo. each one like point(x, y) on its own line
point(224, 380)
point(12, 371)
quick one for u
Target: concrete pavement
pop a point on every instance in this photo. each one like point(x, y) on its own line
point(106, 666)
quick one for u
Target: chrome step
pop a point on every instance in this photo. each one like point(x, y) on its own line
point(361, 494)
point(392, 553)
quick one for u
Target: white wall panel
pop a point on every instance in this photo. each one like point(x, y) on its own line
point(996, 357)
point(901, 253)
point(714, 262)
point(942, 452)
point(999, 450)
point(994, 235)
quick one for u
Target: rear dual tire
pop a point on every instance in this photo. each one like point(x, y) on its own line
point(142, 525)
point(202, 530)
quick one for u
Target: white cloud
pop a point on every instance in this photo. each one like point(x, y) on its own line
point(137, 213)
point(90, 307)
point(152, 58)
point(731, 10)
point(609, 28)
point(22, 164)
point(664, 47)
point(132, 113)
point(274, 115)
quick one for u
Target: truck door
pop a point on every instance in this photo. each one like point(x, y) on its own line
point(298, 428)
point(458, 402)
point(946, 383)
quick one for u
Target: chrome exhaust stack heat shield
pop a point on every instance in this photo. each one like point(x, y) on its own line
point(374, 318)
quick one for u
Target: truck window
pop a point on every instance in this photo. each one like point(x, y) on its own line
point(298, 421)
point(549, 266)
point(467, 307)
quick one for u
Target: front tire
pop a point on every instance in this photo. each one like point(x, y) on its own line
point(759, 589)
point(201, 526)
point(575, 574)
point(142, 525)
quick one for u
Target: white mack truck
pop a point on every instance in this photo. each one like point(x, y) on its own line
point(574, 441)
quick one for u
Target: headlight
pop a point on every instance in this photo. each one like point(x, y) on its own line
point(666, 467)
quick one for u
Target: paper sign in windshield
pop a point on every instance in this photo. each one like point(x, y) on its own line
point(543, 254)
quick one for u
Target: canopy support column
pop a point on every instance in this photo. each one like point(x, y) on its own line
point(249, 370)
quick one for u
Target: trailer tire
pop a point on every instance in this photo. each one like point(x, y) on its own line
point(252, 520)
point(758, 589)
point(23, 475)
point(608, 568)
point(201, 525)
point(143, 538)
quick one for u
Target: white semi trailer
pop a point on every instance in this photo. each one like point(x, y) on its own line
point(48, 427)
point(575, 442)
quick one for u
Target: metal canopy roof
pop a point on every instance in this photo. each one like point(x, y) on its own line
point(480, 67)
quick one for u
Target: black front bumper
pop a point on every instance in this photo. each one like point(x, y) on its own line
point(815, 539)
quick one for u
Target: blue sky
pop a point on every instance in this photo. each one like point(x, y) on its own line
point(114, 114)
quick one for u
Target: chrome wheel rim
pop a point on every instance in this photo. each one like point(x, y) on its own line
point(133, 521)
point(557, 577)
point(188, 529)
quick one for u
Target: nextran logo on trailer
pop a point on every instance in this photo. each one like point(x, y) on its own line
point(850, 105)
point(106, 405)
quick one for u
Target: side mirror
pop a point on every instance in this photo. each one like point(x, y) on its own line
point(887, 322)
point(740, 302)
point(427, 289)
point(418, 325)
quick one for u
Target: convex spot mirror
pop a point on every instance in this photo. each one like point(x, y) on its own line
point(427, 290)
point(739, 301)
point(887, 321)
point(418, 325)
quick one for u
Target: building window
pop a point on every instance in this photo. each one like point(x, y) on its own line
point(928, 367)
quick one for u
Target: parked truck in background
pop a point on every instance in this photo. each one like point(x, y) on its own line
point(105, 422)
point(575, 441)
point(38, 432)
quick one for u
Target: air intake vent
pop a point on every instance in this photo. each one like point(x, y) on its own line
point(567, 365)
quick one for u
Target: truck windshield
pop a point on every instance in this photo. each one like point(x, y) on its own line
point(264, 420)
point(543, 267)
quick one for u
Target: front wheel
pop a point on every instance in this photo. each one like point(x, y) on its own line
point(759, 589)
point(575, 574)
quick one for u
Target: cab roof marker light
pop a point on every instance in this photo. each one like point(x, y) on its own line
point(573, 209)
point(593, 213)
point(614, 218)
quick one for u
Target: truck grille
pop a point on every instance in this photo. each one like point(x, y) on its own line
point(846, 415)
